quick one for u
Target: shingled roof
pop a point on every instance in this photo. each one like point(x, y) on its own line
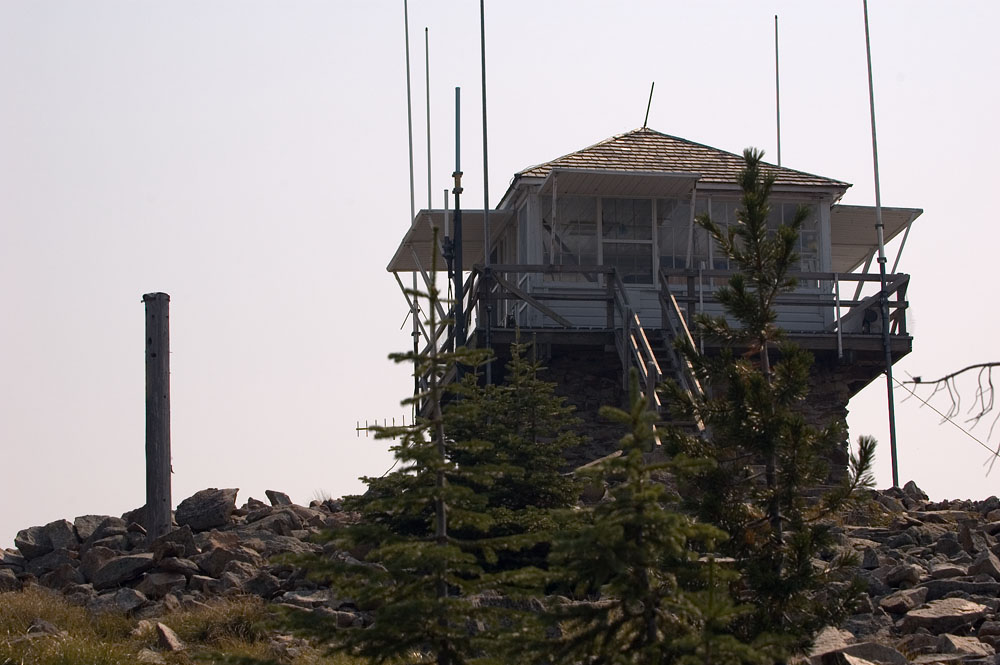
point(647, 150)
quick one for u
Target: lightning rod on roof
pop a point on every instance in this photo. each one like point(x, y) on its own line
point(648, 104)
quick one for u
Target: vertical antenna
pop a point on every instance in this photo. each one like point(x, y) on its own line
point(884, 296)
point(414, 310)
point(459, 308)
point(777, 87)
point(487, 244)
point(648, 104)
point(427, 73)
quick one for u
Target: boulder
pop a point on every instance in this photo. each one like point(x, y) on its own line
point(214, 561)
point(176, 543)
point(63, 576)
point(12, 559)
point(167, 638)
point(9, 581)
point(95, 557)
point(122, 601)
point(946, 615)
point(122, 569)
point(964, 645)
point(207, 509)
point(171, 564)
point(903, 601)
point(158, 585)
point(278, 498)
point(48, 562)
point(937, 589)
point(986, 563)
point(905, 574)
point(61, 535)
point(86, 525)
point(32, 542)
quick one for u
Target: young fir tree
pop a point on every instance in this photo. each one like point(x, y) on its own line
point(757, 385)
point(641, 591)
point(516, 433)
point(410, 568)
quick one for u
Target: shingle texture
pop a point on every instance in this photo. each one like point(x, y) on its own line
point(651, 151)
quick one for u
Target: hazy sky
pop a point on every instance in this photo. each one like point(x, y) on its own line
point(249, 158)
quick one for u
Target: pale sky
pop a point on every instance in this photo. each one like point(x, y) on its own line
point(249, 158)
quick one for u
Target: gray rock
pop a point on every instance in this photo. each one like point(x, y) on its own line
point(986, 563)
point(158, 585)
point(903, 601)
point(122, 600)
point(948, 546)
point(12, 559)
point(943, 616)
point(48, 562)
point(9, 581)
point(214, 561)
point(61, 535)
point(937, 589)
point(86, 525)
point(278, 498)
point(964, 645)
point(263, 584)
point(171, 564)
point(875, 653)
point(869, 559)
point(92, 560)
point(906, 573)
point(207, 509)
point(63, 576)
point(943, 571)
point(32, 542)
point(989, 628)
point(122, 569)
point(830, 638)
point(176, 543)
point(109, 527)
point(167, 638)
point(279, 522)
point(911, 490)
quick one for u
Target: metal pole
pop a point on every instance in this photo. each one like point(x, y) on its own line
point(884, 296)
point(648, 104)
point(777, 88)
point(460, 331)
point(157, 414)
point(414, 309)
point(427, 74)
point(487, 240)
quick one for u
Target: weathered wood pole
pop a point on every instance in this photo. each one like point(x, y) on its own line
point(157, 414)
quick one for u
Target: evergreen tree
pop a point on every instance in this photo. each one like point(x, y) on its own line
point(754, 416)
point(640, 592)
point(413, 572)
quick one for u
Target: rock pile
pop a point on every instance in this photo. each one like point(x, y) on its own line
point(931, 570)
point(105, 564)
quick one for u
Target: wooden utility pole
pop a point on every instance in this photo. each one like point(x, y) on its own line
point(157, 414)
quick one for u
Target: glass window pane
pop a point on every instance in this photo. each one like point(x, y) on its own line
point(632, 260)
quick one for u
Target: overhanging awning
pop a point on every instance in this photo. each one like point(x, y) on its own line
point(597, 182)
point(853, 236)
point(415, 251)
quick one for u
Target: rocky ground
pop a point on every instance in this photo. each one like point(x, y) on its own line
point(931, 569)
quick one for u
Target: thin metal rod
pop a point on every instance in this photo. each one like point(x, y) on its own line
point(427, 76)
point(459, 310)
point(777, 88)
point(840, 331)
point(648, 104)
point(884, 296)
point(487, 240)
point(414, 309)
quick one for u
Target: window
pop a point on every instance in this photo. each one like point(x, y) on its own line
point(627, 238)
point(574, 240)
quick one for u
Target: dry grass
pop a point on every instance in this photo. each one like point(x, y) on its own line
point(235, 630)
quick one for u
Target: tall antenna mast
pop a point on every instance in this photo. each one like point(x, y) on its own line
point(487, 244)
point(884, 296)
point(777, 87)
point(427, 74)
point(414, 310)
point(459, 308)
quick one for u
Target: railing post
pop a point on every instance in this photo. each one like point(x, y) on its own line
point(651, 385)
point(157, 520)
point(840, 339)
point(691, 296)
point(611, 301)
